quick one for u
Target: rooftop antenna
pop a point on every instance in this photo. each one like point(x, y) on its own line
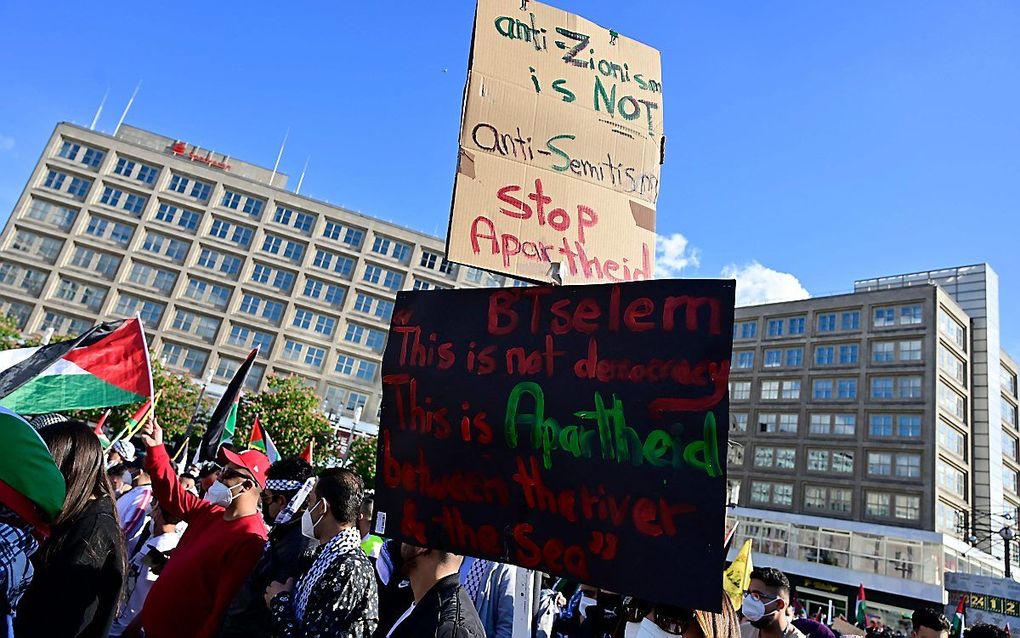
point(127, 108)
point(297, 191)
point(99, 111)
point(278, 156)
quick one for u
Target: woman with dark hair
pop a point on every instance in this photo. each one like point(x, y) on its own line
point(80, 569)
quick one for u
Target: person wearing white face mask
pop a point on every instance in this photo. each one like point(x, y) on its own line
point(337, 596)
point(765, 606)
point(666, 621)
point(218, 550)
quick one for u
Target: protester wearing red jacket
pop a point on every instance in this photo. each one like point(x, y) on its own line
point(216, 553)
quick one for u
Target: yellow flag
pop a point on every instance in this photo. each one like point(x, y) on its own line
point(737, 577)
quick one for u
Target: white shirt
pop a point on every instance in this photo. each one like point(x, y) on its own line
point(143, 580)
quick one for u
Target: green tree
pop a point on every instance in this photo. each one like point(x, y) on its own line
point(362, 459)
point(290, 412)
point(10, 334)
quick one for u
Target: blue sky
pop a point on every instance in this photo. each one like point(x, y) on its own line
point(809, 143)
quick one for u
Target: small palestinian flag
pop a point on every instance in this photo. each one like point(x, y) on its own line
point(259, 440)
point(862, 608)
point(959, 625)
point(223, 421)
point(104, 367)
point(307, 453)
point(99, 430)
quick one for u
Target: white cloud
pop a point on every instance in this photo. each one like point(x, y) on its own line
point(6, 143)
point(673, 254)
point(758, 284)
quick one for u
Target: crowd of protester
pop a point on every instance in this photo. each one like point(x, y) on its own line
point(240, 548)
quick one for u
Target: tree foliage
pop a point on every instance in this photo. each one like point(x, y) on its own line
point(362, 459)
point(290, 412)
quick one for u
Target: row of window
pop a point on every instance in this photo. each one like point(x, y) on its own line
point(879, 464)
point(898, 387)
point(879, 425)
point(827, 322)
point(905, 351)
point(838, 500)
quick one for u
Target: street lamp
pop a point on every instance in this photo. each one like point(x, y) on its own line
point(1008, 536)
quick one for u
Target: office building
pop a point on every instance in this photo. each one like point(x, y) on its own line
point(874, 438)
point(217, 257)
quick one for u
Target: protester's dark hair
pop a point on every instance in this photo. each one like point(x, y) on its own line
point(985, 630)
point(343, 490)
point(930, 618)
point(117, 470)
point(207, 469)
point(772, 577)
point(77, 452)
point(292, 468)
point(187, 475)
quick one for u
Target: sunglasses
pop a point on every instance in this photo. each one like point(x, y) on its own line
point(230, 473)
point(761, 596)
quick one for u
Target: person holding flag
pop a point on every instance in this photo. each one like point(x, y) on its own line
point(283, 557)
point(217, 552)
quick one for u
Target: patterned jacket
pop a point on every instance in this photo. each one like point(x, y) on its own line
point(337, 597)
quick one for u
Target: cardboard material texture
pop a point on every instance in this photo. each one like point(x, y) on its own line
point(560, 149)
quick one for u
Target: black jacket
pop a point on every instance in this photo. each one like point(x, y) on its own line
point(286, 556)
point(76, 590)
point(445, 611)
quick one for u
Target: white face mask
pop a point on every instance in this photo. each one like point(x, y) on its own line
point(752, 608)
point(220, 494)
point(584, 604)
point(648, 629)
point(308, 525)
point(631, 630)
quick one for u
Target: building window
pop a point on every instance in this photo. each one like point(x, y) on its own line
point(843, 462)
point(367, 370)
point(303, 319)
point(850, 320)
point(951, 402)
point(93, 158)
point(1009, 446)
point(325, 325)
point(877, 504)
point(744, 360)
point(848, 354)
point(773, 358)
point(791, 389)
point(951, 479)
point(769, 390)
point(740, 390)
point(292, 350)
point(952, 439)
point(948, 519)
point(775, 327)
point(1009, 479)
point(429, 260)
point(735, 455)
point(230, 200)
point(147, 174)
point(69, 150)
point(375, 339)
point(315, 356)
point(52, 214)
point(818, 461)
point(738, 422)
point(952, 329)
point(822, 389)
point(820, 424)
point(788, 423)
point(111, 196)
point(880, 425)
point(882, 387)
point(846, 389)
point(1007, 381)
point(745, 330)
point(134, 203)
point(909, 387)
point(908, 507)
point(824, 355)
point(910, 315)
point(845, 424)
point(796, 326)
point(885, 317)
point(827, 322)
point(381, 246)
point(794, 357)
point(879, 464)
point(908, 465)
point(401, 252)
point(393, 280)
point(883, 351)
point(910, 350)
point(908, 426)
point(1008, 411)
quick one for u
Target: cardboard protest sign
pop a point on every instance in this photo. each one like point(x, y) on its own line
point(560, 146)
point(575, 430)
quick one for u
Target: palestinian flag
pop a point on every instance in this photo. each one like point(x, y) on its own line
point(104, 367)
point(259, 440)
point(958, 623)
point(30, 482)
point(223, 421)
point(307, 453)
point(99, 430)
point(862, 608)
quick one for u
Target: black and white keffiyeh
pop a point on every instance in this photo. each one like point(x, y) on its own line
point(283, 485)
point(346, 542)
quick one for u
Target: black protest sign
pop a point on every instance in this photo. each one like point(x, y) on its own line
point(576, 430)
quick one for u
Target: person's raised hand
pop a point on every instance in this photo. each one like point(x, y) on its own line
point(152, 434)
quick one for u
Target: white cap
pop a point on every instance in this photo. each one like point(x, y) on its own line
point(126, 449)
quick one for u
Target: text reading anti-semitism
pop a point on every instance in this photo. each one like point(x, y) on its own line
point(576, 430)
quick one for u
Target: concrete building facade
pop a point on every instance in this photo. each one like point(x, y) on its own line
point(216, 256)
point(872, 434)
